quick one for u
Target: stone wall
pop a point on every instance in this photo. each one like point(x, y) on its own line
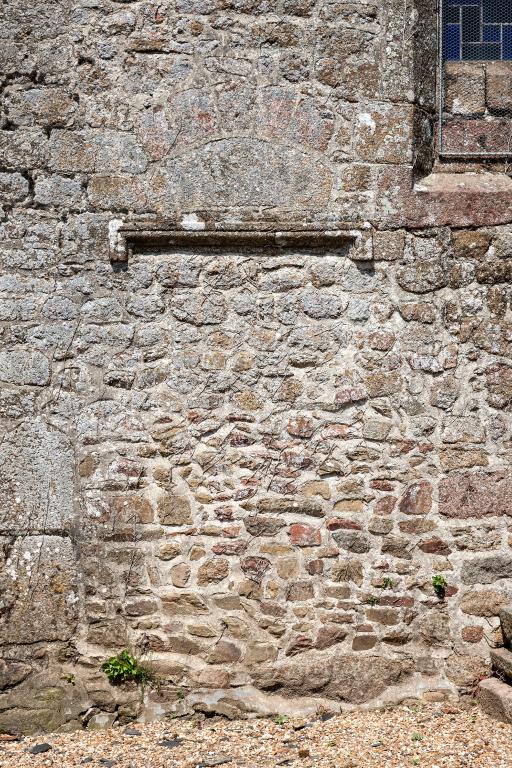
point(255, 370)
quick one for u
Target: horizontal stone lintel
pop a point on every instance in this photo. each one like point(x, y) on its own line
point(195, 232)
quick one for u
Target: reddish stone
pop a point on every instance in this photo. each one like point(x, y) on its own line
point(299, 645)
point(315, 567)
point(381, 340)
point(397, 602)
point(472, 634)
point(402, 446)
point(229, 548)
point(304, 535)
point(417, 499)
point(300, 590)
point(331, 431)
point(224, 514)
point(386, 616)
point(385, 505)
point(382, 485)
point(329, 635)
point(337, 523)
point(475, 135)
point(240, 439)
point(300, 426)
point(470, 244)
point(254, 566)
point(435, 546)
point(364, 642)
point(476, 494)
point(231, 532)
point(418, 311)
point(351, 394)
point(132, 509)
point(499, 384)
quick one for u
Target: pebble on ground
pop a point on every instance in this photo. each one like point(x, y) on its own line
point(431, 736)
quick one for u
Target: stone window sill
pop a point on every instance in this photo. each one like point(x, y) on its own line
point(468, 183)
point(461, 200)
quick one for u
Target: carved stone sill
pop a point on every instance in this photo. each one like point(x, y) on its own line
point(473, 183)
point(195, 230)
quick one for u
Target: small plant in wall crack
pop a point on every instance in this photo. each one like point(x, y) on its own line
point(386, 583)
point(439, 583)
point(125, 668)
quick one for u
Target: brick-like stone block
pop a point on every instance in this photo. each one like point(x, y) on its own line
point(506, 625)
point(39, 571)
point(501, 660)
point(383, 134)
point(499, 85)
point(486, 570)
point(475, 494)
point(495, 698)
point(464, 88)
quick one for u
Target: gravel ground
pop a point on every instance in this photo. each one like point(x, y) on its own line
point(427, 736)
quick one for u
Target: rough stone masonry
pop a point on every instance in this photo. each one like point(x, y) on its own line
point(255, 362)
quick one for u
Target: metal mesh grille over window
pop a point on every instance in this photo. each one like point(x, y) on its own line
point(475, 115)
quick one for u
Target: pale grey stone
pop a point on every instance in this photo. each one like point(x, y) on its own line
point(22, 367)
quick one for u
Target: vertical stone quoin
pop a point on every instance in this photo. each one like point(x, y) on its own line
point(255, 375)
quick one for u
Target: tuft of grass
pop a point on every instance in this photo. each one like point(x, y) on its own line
point(387, 583)
point(281, 719)
point(417, 737)
point(125, 668)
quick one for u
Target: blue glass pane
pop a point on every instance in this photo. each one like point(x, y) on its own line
point(451, 15)
point(452, 42)
point(477, 30)
point(507, 42)
point(481, 51)
point(492, 33)
point(471, 24)
point(497, 11)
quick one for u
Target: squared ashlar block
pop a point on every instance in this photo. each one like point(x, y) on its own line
point(499, 86)
point(464, 88)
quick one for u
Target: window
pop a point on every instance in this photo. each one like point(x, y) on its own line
point(477, 30)
point(475, 83)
